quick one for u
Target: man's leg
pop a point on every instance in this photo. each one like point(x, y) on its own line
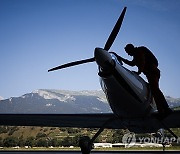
point(159, 98)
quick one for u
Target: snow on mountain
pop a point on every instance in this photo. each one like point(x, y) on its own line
point(66, 95)
point(173, 102)
point(63, 97)
point(1, 98)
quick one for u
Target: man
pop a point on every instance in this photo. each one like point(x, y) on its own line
point(148, 64)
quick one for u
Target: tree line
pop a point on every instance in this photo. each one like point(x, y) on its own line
point(44, 141)
point(12, 141)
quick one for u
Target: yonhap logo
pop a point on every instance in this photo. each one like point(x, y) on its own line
point(129, 140)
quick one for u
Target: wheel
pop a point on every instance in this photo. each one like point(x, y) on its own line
point(85, 145)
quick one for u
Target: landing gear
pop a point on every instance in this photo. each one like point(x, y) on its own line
point(85, 144)
point(160, 134)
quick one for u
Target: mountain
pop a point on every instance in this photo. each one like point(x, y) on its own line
point(56, 101)
point(173, 102)
point(63, 101)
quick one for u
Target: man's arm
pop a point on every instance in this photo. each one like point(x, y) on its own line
point(130, 63)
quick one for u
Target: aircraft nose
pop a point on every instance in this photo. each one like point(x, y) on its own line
point(102, 58)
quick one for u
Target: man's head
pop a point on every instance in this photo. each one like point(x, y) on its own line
point(129, 48)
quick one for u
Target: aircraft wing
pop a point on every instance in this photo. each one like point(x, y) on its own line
point(57, 120)
point(107, 120)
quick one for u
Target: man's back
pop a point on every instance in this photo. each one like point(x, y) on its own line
point(150, 59)
point(145, 60)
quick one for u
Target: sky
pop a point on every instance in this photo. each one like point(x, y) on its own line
point(36, 35)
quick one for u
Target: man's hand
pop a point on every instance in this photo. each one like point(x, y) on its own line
point(119, 58)
point(114, 53)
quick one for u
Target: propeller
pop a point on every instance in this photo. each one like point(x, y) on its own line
point(107, 46)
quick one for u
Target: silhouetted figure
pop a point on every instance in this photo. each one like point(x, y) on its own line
point(148, 64)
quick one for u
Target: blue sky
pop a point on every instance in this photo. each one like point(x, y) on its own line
point(36, 35)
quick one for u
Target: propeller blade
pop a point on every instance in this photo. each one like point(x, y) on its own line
point(115, 31)
point(72, 64)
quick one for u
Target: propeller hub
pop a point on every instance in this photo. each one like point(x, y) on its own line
point(103, 58)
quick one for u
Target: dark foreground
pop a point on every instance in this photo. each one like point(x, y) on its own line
point(78, 152)
point(60, 152)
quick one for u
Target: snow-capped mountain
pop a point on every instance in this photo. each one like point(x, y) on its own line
point(63, 101)
point(56, 101)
